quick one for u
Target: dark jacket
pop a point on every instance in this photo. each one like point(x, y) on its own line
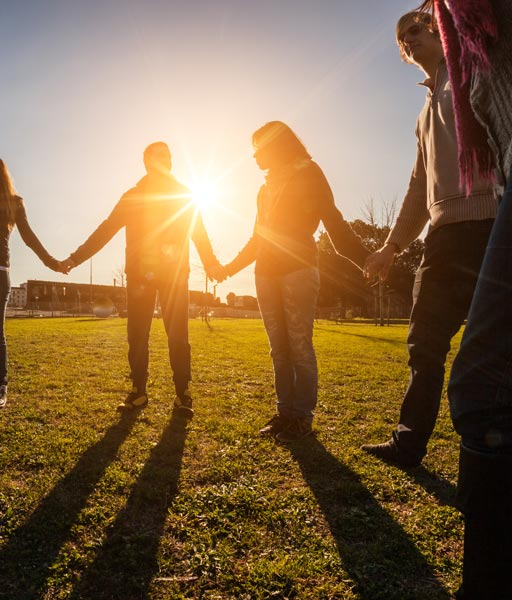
point(283, 238)
point(27, 235)
point(160, 220)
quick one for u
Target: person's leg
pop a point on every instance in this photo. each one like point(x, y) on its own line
point(4, 296)
point(442, 293)
point(300, 292)
point(141, 305)
point(270, 302)
point(174, 304)
point(480, 395)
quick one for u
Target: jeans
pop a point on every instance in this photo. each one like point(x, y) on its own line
point(442, 293)
point(287, 305)
point(173, 295)
point(5, 288)
point(480, 389)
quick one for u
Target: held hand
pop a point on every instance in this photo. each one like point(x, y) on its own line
point(217, 273)
point(65, 266)
point(379, 263)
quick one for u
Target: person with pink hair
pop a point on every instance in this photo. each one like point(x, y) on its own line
point(477, 41)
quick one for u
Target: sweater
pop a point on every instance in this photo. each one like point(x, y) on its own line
point(434, 195)
point(27, 235)
point(160, 219)
point(283, 237)
point(491, 92)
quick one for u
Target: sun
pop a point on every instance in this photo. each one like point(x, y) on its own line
point(204, 193)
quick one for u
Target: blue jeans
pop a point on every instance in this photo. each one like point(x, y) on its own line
point(442, 293)
point(480, 389)
point(287, 305)
point(480, 395)
point(5, 288)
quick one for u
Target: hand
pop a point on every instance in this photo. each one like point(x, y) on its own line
point(379, 263)
point(217, 272)
point(65, 266)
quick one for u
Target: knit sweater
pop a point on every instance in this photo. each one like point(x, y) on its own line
point(160, 219)
point(282, 241)
point(491, 93)
point(27, 235)
point(434, 195)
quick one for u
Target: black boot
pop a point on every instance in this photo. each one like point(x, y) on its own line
point(485, 498)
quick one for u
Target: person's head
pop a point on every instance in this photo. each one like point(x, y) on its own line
point(157, 158)
point(275, 144)
point(418, 38)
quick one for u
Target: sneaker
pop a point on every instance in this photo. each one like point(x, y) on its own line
point(276, 424)
point(183, 405)
point(296, 430)
point(134, 401)
point(3, 395)
point(389, 453)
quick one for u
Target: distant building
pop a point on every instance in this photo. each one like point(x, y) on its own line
point(72, 297)
point(18, 296)
point(249, 302)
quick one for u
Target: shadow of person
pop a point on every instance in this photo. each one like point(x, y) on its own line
point(374, 549)
point(27, 556)
point(436, 486)
point(127, 561)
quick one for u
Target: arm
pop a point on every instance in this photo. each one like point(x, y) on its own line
point(30, 238)
point(343, 238)
point(103, 234)
point(244, 258)
point(412, 218)
point(204, 246)
point(413, 215)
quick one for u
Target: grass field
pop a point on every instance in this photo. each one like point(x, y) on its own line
point(97, 507)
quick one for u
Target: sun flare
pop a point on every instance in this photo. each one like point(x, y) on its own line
point(204, 193)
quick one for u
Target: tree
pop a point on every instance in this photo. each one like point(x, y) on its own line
point(119, 276)
point(230, 299)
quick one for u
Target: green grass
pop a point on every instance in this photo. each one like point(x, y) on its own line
point(97, 507)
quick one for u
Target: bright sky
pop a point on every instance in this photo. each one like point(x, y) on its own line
point(86, 86)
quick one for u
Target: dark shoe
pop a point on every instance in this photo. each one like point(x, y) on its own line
point(276, 424)
point(296, 430)
point(183, 405)
point(388, 452)
point(134, 401)
point(3, 395)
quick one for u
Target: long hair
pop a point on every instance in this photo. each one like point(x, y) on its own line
point(7, 195)
point(281, 140)
point(426, 6)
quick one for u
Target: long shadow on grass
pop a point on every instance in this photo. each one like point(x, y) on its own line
point(31, 550)
point(127, 561)
point(376, 552)
point(372, 338)
point(440, 488)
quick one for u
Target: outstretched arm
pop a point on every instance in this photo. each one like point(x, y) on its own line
point(32, 241)
point(103, 234)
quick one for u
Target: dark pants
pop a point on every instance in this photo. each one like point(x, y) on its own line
point(5, 288)
point(480, 394)
point(442, 293)
point(173, 297)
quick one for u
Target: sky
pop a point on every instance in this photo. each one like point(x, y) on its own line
point(88, 85)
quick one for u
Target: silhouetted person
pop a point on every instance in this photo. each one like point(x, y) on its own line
point(458, 231)
point(478, 44)
point(160, 220)
point(291, 204)
point(12, 212)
